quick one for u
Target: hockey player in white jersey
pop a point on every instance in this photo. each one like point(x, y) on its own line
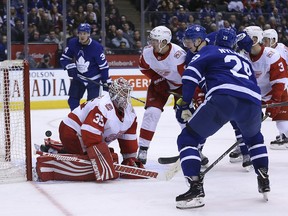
point(163, 63)
point(86, 133)
point(270, 39)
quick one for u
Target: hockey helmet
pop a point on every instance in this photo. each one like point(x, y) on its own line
point(226, 37)
point(119, 92)
point(194, 32)
point(84, 27)
point(161, 33)
point(271, 34)
point(255, 31)
point(244, 42)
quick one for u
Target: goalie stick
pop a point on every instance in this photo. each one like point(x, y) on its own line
point(144, 173)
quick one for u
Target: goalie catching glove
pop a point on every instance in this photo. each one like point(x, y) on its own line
point(183, 111)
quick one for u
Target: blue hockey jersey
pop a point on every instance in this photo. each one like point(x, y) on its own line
point(225, 72)
point(90, 59)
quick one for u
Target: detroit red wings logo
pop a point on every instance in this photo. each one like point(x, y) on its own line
point(112, 137)
point(178, 54)
point(270, 54)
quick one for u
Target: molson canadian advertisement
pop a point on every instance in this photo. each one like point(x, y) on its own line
point(49, 88)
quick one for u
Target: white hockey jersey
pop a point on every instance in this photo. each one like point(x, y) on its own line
point(170, 66)
point(98, 121)
point(269, 69)
point(283, 50)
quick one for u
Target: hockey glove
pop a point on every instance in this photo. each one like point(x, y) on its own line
point(133, 162)
point(106, 85)
point(72, 70)
point(244, 42)
point(198, 97)
point(161, 86)
point(273, 111)
point(183, 111)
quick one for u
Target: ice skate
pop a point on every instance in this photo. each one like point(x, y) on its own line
point(142, 154)
point(246, 163)
point(263, 182)
point(281, 143)
point(236, 155)
point(193, 198)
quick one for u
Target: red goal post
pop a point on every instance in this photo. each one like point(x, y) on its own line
point(15, 125)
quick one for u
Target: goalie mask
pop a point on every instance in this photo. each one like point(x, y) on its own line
point(119, 92)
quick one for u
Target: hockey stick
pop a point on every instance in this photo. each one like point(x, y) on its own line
point(100, 84)
point(135, 171)
point(280, 104)
point(224, 154)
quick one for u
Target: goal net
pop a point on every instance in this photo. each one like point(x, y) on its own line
point(15, 129)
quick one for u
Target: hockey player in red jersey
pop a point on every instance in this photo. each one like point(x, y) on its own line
point(85, 134)
point(271, 74)
point(270, 39)
point(163, 62)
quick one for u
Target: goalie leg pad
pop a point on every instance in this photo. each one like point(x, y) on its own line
point(70, 140)
point(102, 162)
point(73, 168)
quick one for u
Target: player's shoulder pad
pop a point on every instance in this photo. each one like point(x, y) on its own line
point(272, 54)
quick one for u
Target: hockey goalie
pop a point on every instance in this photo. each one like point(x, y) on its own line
point(85, 134)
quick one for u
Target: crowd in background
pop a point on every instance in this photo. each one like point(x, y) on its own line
point(45, 20)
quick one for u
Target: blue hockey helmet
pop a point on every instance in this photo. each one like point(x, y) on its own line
point(194, 32)
point(84, 27)
point(244, 41)
point(226, 37)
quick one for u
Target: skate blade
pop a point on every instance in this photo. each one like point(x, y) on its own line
point(236, 160)
point(265, 196)
point(248, 168)
point(192, 203)
point(279, 147)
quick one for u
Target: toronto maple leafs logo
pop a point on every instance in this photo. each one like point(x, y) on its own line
point(82, 65)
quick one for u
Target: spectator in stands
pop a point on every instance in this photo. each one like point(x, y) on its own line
point(45, 25)
point(180, 33)
point(181, 14)
point(124, 21)
point(207, 10)
point(90, 13)
point(128, 33)
point(17, 31)
point(35, 37)
point(52, 38)
point(32, 17)
point(233, 21)
point(30, 59)
point(54, 15)
point(219, 20)
point(3, 48)
point(119, 38)
point(137, 36)
point(45, 62)
point(235, 6)
point(79, 16)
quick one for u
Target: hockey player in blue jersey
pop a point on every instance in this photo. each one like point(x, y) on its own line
point(84, 59)
point(232, 94)
point(209, 39)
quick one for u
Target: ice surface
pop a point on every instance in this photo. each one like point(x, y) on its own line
point(230, 190)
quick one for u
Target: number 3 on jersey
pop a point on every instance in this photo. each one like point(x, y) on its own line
point(99, 119)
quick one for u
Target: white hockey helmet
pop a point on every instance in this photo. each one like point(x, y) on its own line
point(119, 92)
point(271, 34)
point(255, 31)
point(161, 33)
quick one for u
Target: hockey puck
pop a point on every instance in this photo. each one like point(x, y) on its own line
point(48, 133)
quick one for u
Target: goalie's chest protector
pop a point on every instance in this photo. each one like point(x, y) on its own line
point(116, 126)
